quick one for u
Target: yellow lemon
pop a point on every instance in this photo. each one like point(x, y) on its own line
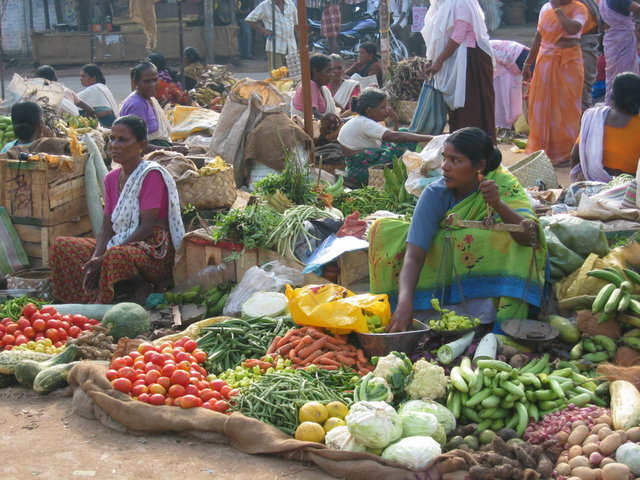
point(337, 409)
point(333, 422)
point(313, 412)
point(309, 432)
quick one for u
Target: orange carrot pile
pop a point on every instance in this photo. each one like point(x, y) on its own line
point(311, 346)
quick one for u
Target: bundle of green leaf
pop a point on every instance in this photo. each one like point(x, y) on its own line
point(295, 182)
point(249, 226)
point(366, 200)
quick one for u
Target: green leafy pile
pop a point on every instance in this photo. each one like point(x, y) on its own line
point(368, 200)
point(295, 182)
point(250, 226)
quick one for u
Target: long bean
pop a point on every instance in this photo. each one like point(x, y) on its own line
point(13, 308)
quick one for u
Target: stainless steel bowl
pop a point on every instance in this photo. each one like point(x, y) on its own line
point(380, 344)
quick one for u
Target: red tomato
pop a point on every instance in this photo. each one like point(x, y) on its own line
point(180, 343)
point(144, 397)
point(3, 329)
point(57, 316)
point(183, 357)
point(169, 401)
point(152, 376)
point(217, 395)
point(157, 388)
point(164, 381)
point(29, 332)
point(150, 366)
point(156, 399)
point(165, 346)
point(23, 323)
point(146, 347)
point(128, 360)
point(191, 390)
point(127, 372)
point(137, 390)
point(12, 328)
point(58, 344)
point(168, 369)
point(224, 391)
point(44, 316)
point(200, 356)
point(53, 323)
point(122, 384)
point(63, 334)
point(207, 405)
point(52, 334)
point(180, 377)
point(217, 384)
point(112, 374)
point(64, 325)
point(190, 401)
point(6, 321)
point(8, 339)
point(49, 309)
point(21, 340)
point(138, 365)
point(186, 366)
point(136, 355)
point(168, 357)
point(74, 331)
point(39, 336)
point(29, 309)
point(156, 358)
point(8, 347)
point(206, 394)
point(176, 391)
point(221, 406)
point(233, 393)
point(195, 376)
point(92, 321)
point(190, 345)
point(39, 325)
point(139, 381)
point(118, 363)
point(78, 320)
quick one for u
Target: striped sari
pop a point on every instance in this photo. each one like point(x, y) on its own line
point(555, 94)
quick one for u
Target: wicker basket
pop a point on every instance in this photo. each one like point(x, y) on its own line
point(405, 110)
point(376, 176)
point(36, 279)
point(209, 192)
point(536, 166)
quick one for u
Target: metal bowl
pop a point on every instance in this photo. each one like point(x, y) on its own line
point(530, 332)
point(16, 293)
point(380, 344)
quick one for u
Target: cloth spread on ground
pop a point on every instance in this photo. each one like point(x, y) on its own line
point(144, 12)
point(465, 263)
point(98, 95)
point(555, 94)
point(271, 140)
point(151, 259)
point(95, 398)
point(126, 215)
point(50, 145)
point(592, 146)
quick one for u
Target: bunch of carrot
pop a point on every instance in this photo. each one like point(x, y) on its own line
point(311, 346)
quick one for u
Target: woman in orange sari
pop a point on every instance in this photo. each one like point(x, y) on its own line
point(555, 93)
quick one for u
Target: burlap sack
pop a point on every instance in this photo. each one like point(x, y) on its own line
point(95, 399)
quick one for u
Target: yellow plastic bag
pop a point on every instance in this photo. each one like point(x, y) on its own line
point(335, 308)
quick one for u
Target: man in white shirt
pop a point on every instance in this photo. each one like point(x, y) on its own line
point(283, 30)
point(400, 13)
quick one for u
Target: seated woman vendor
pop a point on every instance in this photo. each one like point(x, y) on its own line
point(322, 102)
point(365, 142)
point(141, 228)
point(26, 118)
point(479, 263)
point(142, 103)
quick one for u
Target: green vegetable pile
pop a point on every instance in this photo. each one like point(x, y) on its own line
point(250, 226)
point(243, 376)
point(294, 182)
point(366, 200)
point(13, 308)
point(231, 342)
point(214, 298)
point(450, 320)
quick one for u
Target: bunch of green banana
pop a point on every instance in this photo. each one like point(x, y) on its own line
point(214, 298)
point(204, 95)
point(631, 338)
point(596, 349)
point(6, 131)
point(336, 189)
point(616, 295)
point(394, 179)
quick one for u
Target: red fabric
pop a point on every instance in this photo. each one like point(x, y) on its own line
point(69, 254)
point(153, 194)
point(353, 226)
point(331, 20)
point(169, 92)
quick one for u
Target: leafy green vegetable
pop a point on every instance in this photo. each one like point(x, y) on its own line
point(295, 182)
point(368, 200)
point(250, 226)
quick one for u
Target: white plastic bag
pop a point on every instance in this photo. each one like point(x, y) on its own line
point(271, 277)
point(424, 167)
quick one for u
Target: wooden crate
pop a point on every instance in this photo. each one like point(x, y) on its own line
point(37, 240)
point(34, 193)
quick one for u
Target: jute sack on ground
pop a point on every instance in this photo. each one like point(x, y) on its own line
point(95, 399)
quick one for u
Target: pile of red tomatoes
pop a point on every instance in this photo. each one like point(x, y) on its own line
point(169, 374)
point(37, 325)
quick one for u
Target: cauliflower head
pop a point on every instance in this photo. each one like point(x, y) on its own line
point(394, 368)
point(426, 382)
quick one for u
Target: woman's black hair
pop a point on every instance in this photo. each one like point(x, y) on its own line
point(191, 54)
point(319, 62)
point(136, 71)
point(370, 48)
point(93, 70)
point(135, 124)
point(369, 98)
point(47, 72)
point(26, 118)
point(161, 64)
point(476, 145)
point(626, 93)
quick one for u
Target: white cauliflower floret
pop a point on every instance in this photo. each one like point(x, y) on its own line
point(394, 368)
point(427, 381)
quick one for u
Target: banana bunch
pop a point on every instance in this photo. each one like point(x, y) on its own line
point(616, 296)
point(211, 168)
point(214, 299)
point(336, 189)
point(631, 338)
point(204, 95)
point(596, 349)
point(279, 73)
point(394, 179)
point(80, 122)
point(6, 131)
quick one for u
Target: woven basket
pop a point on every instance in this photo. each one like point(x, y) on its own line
point(37, 279)
point(405, 110)
point(208, 192)
point(536, 166)
point(376, 176)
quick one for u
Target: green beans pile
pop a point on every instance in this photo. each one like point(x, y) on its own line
point(276, 398)
point(231, 342)
point(13, 308)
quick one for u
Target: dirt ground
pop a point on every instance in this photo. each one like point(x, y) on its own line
point(41, 439)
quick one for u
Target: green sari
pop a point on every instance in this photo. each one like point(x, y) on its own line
point(465, 263)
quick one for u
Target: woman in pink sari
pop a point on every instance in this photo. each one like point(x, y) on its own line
point(620, 43)
point(555, 94)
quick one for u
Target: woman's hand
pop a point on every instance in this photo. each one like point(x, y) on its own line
point(490, 192)
point(526, 72)
point(401, 319)
point(91, 270)
point(432, 69)
point(392, 115)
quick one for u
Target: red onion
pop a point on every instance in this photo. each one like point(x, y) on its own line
point(562, 420)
